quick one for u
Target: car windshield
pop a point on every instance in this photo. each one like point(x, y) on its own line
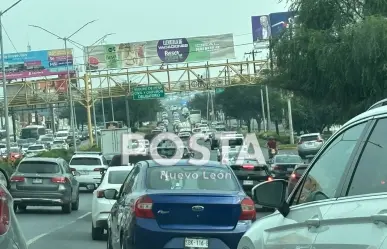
point(117, 177)
point(85, 161)
point(191, 178)
point(46, 139)
point(288, 159)
point(36, 147)
point(38, 167)
point(2, 146)
point(62, 135)
point(58, 142)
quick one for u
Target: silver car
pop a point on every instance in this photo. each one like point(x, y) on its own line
point(11, 235)
point(309, 145)
point(41, 181)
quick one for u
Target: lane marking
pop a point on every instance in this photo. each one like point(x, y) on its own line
point(36, 238)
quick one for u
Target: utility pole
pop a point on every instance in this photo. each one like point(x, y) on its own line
point(253, 53)
point(4, 78)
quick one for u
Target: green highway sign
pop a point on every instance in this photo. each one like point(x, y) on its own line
point(219, 90)
point(148, 92)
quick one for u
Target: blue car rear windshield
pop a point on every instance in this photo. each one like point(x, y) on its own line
point(191, 178)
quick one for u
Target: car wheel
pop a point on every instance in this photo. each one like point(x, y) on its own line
point(75, 205)
point(96, 232)
point(67, 208)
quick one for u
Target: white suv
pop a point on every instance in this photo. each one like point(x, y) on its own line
point(341, 197)
point(88, 167)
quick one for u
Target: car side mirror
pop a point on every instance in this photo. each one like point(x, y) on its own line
point(4, 179)
point(110, 194)
point(272, 194)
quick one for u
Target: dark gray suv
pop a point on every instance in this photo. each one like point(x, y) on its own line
point(40, 181)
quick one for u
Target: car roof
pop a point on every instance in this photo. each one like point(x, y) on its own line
point(39, 159)
point(182, 162)
point(367, 114)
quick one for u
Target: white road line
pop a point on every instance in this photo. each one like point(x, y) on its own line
point(36, 238)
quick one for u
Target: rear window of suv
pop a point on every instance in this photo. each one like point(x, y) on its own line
point(309, 138)
point(85, 161)
point(191, 178)
point(38, 167)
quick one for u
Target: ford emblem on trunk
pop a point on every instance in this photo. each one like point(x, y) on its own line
point(197, 208)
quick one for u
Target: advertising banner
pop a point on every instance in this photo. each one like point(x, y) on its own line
point(148, 53)
point(37, 63)
point(280, 21)
point(261, 28)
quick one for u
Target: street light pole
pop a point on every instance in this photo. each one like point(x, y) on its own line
point(69, 84)
point(87, 53)
point(4, 77)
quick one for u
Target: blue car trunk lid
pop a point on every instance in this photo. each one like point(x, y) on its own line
point(199, 211)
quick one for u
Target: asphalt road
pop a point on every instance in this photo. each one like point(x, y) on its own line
point(45, 228)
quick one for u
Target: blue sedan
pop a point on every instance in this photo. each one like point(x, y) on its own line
point(179, 206)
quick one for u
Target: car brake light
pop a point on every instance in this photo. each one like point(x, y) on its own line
point(4, 212)
point(143, 207)
point(17, 179)
point(275, 167)
point(97, 169)
point(100, 194)
point(270, 179)
point(72, 169)
point(319, 140)
point(294, 176)
point(248, 210)
point(59, 180)
point(248, 166)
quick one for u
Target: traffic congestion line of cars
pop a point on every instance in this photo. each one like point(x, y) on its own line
point(328, 203)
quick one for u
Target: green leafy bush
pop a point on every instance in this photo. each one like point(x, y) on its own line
point(65, 154)
point(8, 168)
point(281, 138)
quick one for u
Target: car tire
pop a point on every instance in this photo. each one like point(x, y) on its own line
point(75, 205)
point(66, 208)
point(96, 232)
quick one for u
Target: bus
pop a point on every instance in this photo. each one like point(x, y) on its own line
point(33, 131)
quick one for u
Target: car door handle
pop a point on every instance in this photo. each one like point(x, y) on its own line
point(380, 217)
point(313, 222)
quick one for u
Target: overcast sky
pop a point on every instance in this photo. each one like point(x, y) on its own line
point(130, 20)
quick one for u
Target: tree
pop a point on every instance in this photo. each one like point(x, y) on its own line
point(199, 102)
point(139, 111)
point(335, 54)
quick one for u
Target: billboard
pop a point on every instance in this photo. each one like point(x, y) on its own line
point(261, 28)
point(37, 63)
point(148, 53)
point(280, 21)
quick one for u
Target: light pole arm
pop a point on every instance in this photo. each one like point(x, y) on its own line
point(36, 26)
point(9, 8)
point(80, 29)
